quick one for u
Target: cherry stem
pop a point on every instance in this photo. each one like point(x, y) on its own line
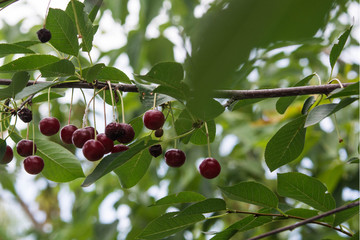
point(27, 131)
point(122, 106)
point(207, 138)
point(181, 135)
point(112, 100)
point(49, 102)
point(104, 107)
point(46, 14)
point(154, 106)
point(88, 105)
point(71, 103)
point(84, 118)
point(94, 111)
point(172, 123)
point(33, 132)
point(1, 126)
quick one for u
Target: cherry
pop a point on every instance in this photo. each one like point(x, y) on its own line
point(155, 150)
point(33, 164)
point(153, 119)
point(8, 156)
point(159, 132)
point(25, 148)
point(92, 131)
point(114, 131)
point(80, 136)
point(210, 168)
point(44, 35)
point(66, 133)
point(175, 157)
point(107, 142)
point(128, 135)
point(49, 126)
point(93, 150)
point(25, 115)
point(119, 148)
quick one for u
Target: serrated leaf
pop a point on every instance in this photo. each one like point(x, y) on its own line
point(245, 102)
point(286, 145)
point(198, 137)
point(90, 74)
point(18, 83)
point(146, 93)
point(61, 68)
point(253, 193)
point(284, 102)
point(168, 224)
point(243, 225)
point(44, 97)
point(206, 206)
point(29, 90)
point(115, 160)
point(95, 9)
point(345, 215)
point(350, 90)
point(26, 44)
point(6, 49)
point(29, 63)
point(181, 197)
point(60, 165)
point(165, 73)
point(320, 112)
point(180, 93)
point(307, 105)
point(205, 109)
point(338, 47)
point(63, 32)
point(83, 22)
point(113, 75)
point(308, 213)
point(305, 189)
point(131, 172)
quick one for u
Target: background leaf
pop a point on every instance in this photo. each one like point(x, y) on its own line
point(113, 75)
point(207, 206)
point(61, 68)
point(338, 47)
point(352, 89)
point(29, 63)
point(343, 216)
point(18, 83)
point(6, 49)
point(181, 197)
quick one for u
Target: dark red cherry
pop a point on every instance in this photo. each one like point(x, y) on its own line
point(119, 148)
point(49, 126)
point(93, 150)
point(153, 119)
point(66, 133)
point(175, 157)
point(107, 142)
point(114, 131)
point(8, 156)
point(44, 35)
point(80, 136)
point(92, 131)
point(25, 115)
point(209, 168)
point(25, 148)
point(159, 132)
point(128, 135)
point(155, 150)
point(33, 164)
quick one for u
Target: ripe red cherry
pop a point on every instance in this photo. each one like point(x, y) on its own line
point(93, 150)
point(92, 131)
point(119, 148)
point(25, 148)
point(175, 157)
point(33, 164)
point(128, 135)
point(209, 168)
point(159, 132)
point(80, 136)
point(155, 150)
point(153, 119)
point(8, 156)
point(107, 142)
point(114, 131)
point(66, 133)
point(49, 126)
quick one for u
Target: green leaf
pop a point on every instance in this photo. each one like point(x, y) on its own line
point(6, 49)
point(146, 93)
point(83, 22)
point(90, 74)
point(337, 48)
point(2, 148)
point(168, 224)
point(131, 172)
point(253, 193)
point(286, 145)
point(113, 75)
point(32, 89)
point(307, 104)
point(181, 197)
point(137, 124)
point(63, 32)
point(181, 92)
point(245, 102)
point(115, 160)
point(350, 90)
point(3, 4)
point(165, 73)
point(18, 83)
point(60, 165)
point(206, 206)
point(205, 109)
point(95, 9)
point(355, 236)
point(29, 63)
point(245, 224)
point(308, 213)
point(305, 189)
point(61, 68)
point(199, 137)
point(353, 160)
point(26, 44)
point(345, 215)
point(320, 112)
point(44, 97)
point(284, 102)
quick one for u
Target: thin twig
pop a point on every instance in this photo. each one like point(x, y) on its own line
point(308, 220)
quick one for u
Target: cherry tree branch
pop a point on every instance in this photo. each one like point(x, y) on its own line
point(309, 220)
